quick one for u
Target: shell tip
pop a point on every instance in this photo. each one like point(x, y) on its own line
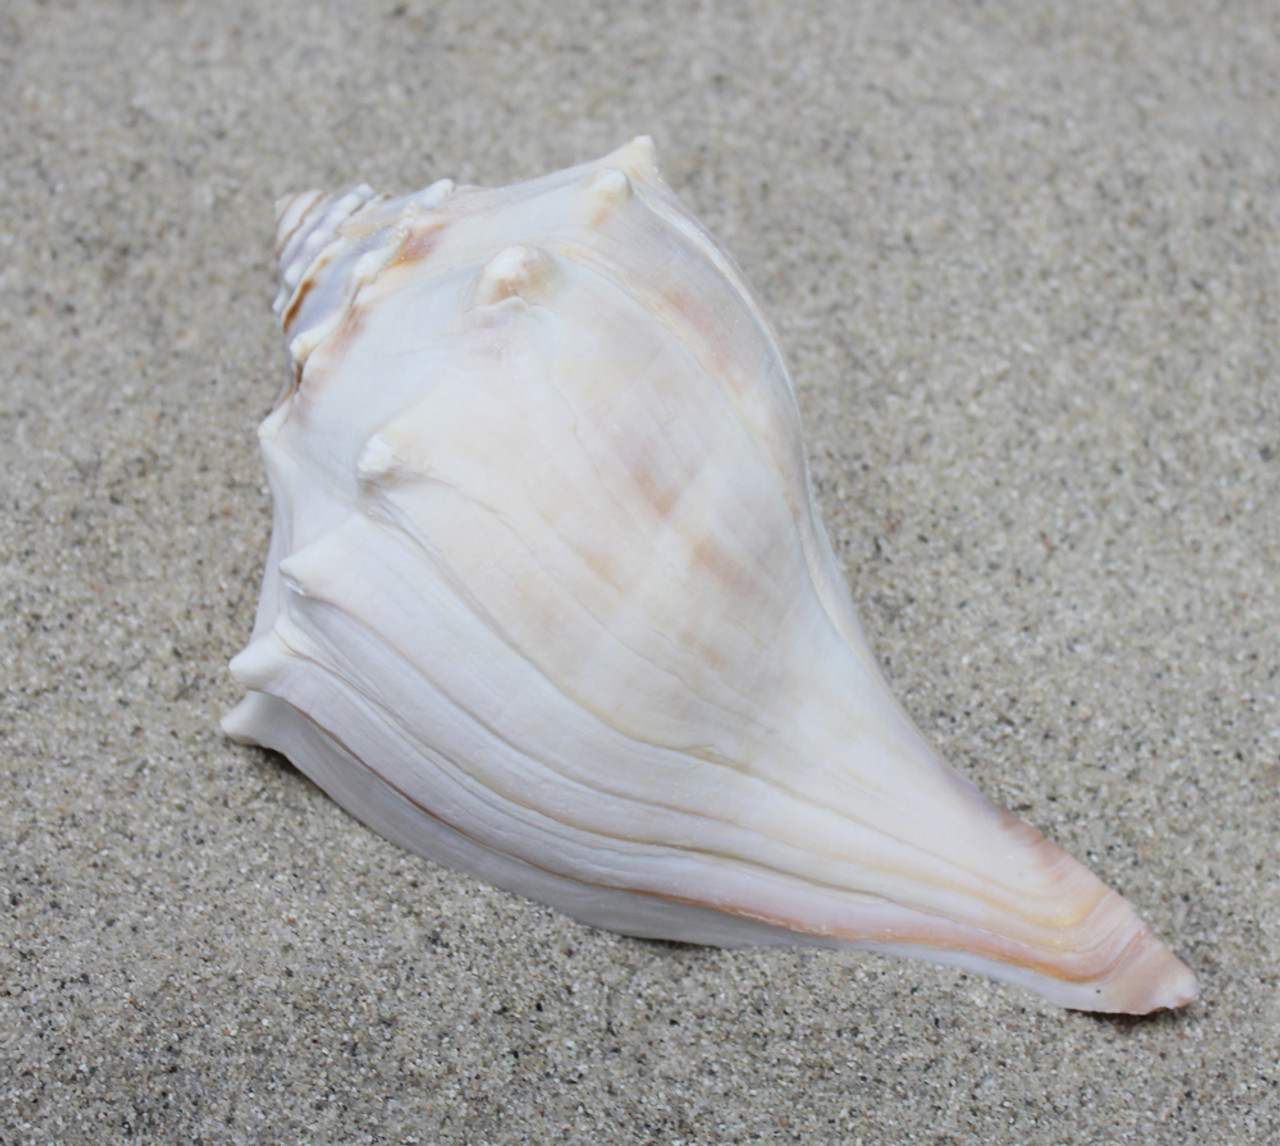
point(514, 272)
point(1152, 979)
point(255, 666)
point(1176, 985)
point(638, 159)
point(604, 192)
point(241, 722)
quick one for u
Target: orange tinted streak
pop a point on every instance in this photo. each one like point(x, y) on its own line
point(603, 566)
point(708, 555)
point(322, 358)
point(295, 304)
point(659, 494)
point(419, 244)
point(941, 936)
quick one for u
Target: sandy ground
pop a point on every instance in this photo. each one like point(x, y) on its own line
point(1023, 259)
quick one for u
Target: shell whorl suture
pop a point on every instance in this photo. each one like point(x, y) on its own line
point(548, 600)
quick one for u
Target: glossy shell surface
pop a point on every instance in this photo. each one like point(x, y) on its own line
point(548, 600)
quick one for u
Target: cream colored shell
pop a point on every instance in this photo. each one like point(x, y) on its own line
point(548, 600)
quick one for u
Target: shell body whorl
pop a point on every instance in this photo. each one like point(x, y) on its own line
point(548, 600)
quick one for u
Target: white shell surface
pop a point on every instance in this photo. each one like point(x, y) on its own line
point(548, 600)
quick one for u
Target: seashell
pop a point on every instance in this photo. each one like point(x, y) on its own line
point(548, 600)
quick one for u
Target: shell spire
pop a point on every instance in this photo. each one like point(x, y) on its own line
point(548, 600)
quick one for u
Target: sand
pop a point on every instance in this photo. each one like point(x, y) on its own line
point(1024, 260)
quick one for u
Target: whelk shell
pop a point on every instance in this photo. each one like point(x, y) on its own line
point(548, 600)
